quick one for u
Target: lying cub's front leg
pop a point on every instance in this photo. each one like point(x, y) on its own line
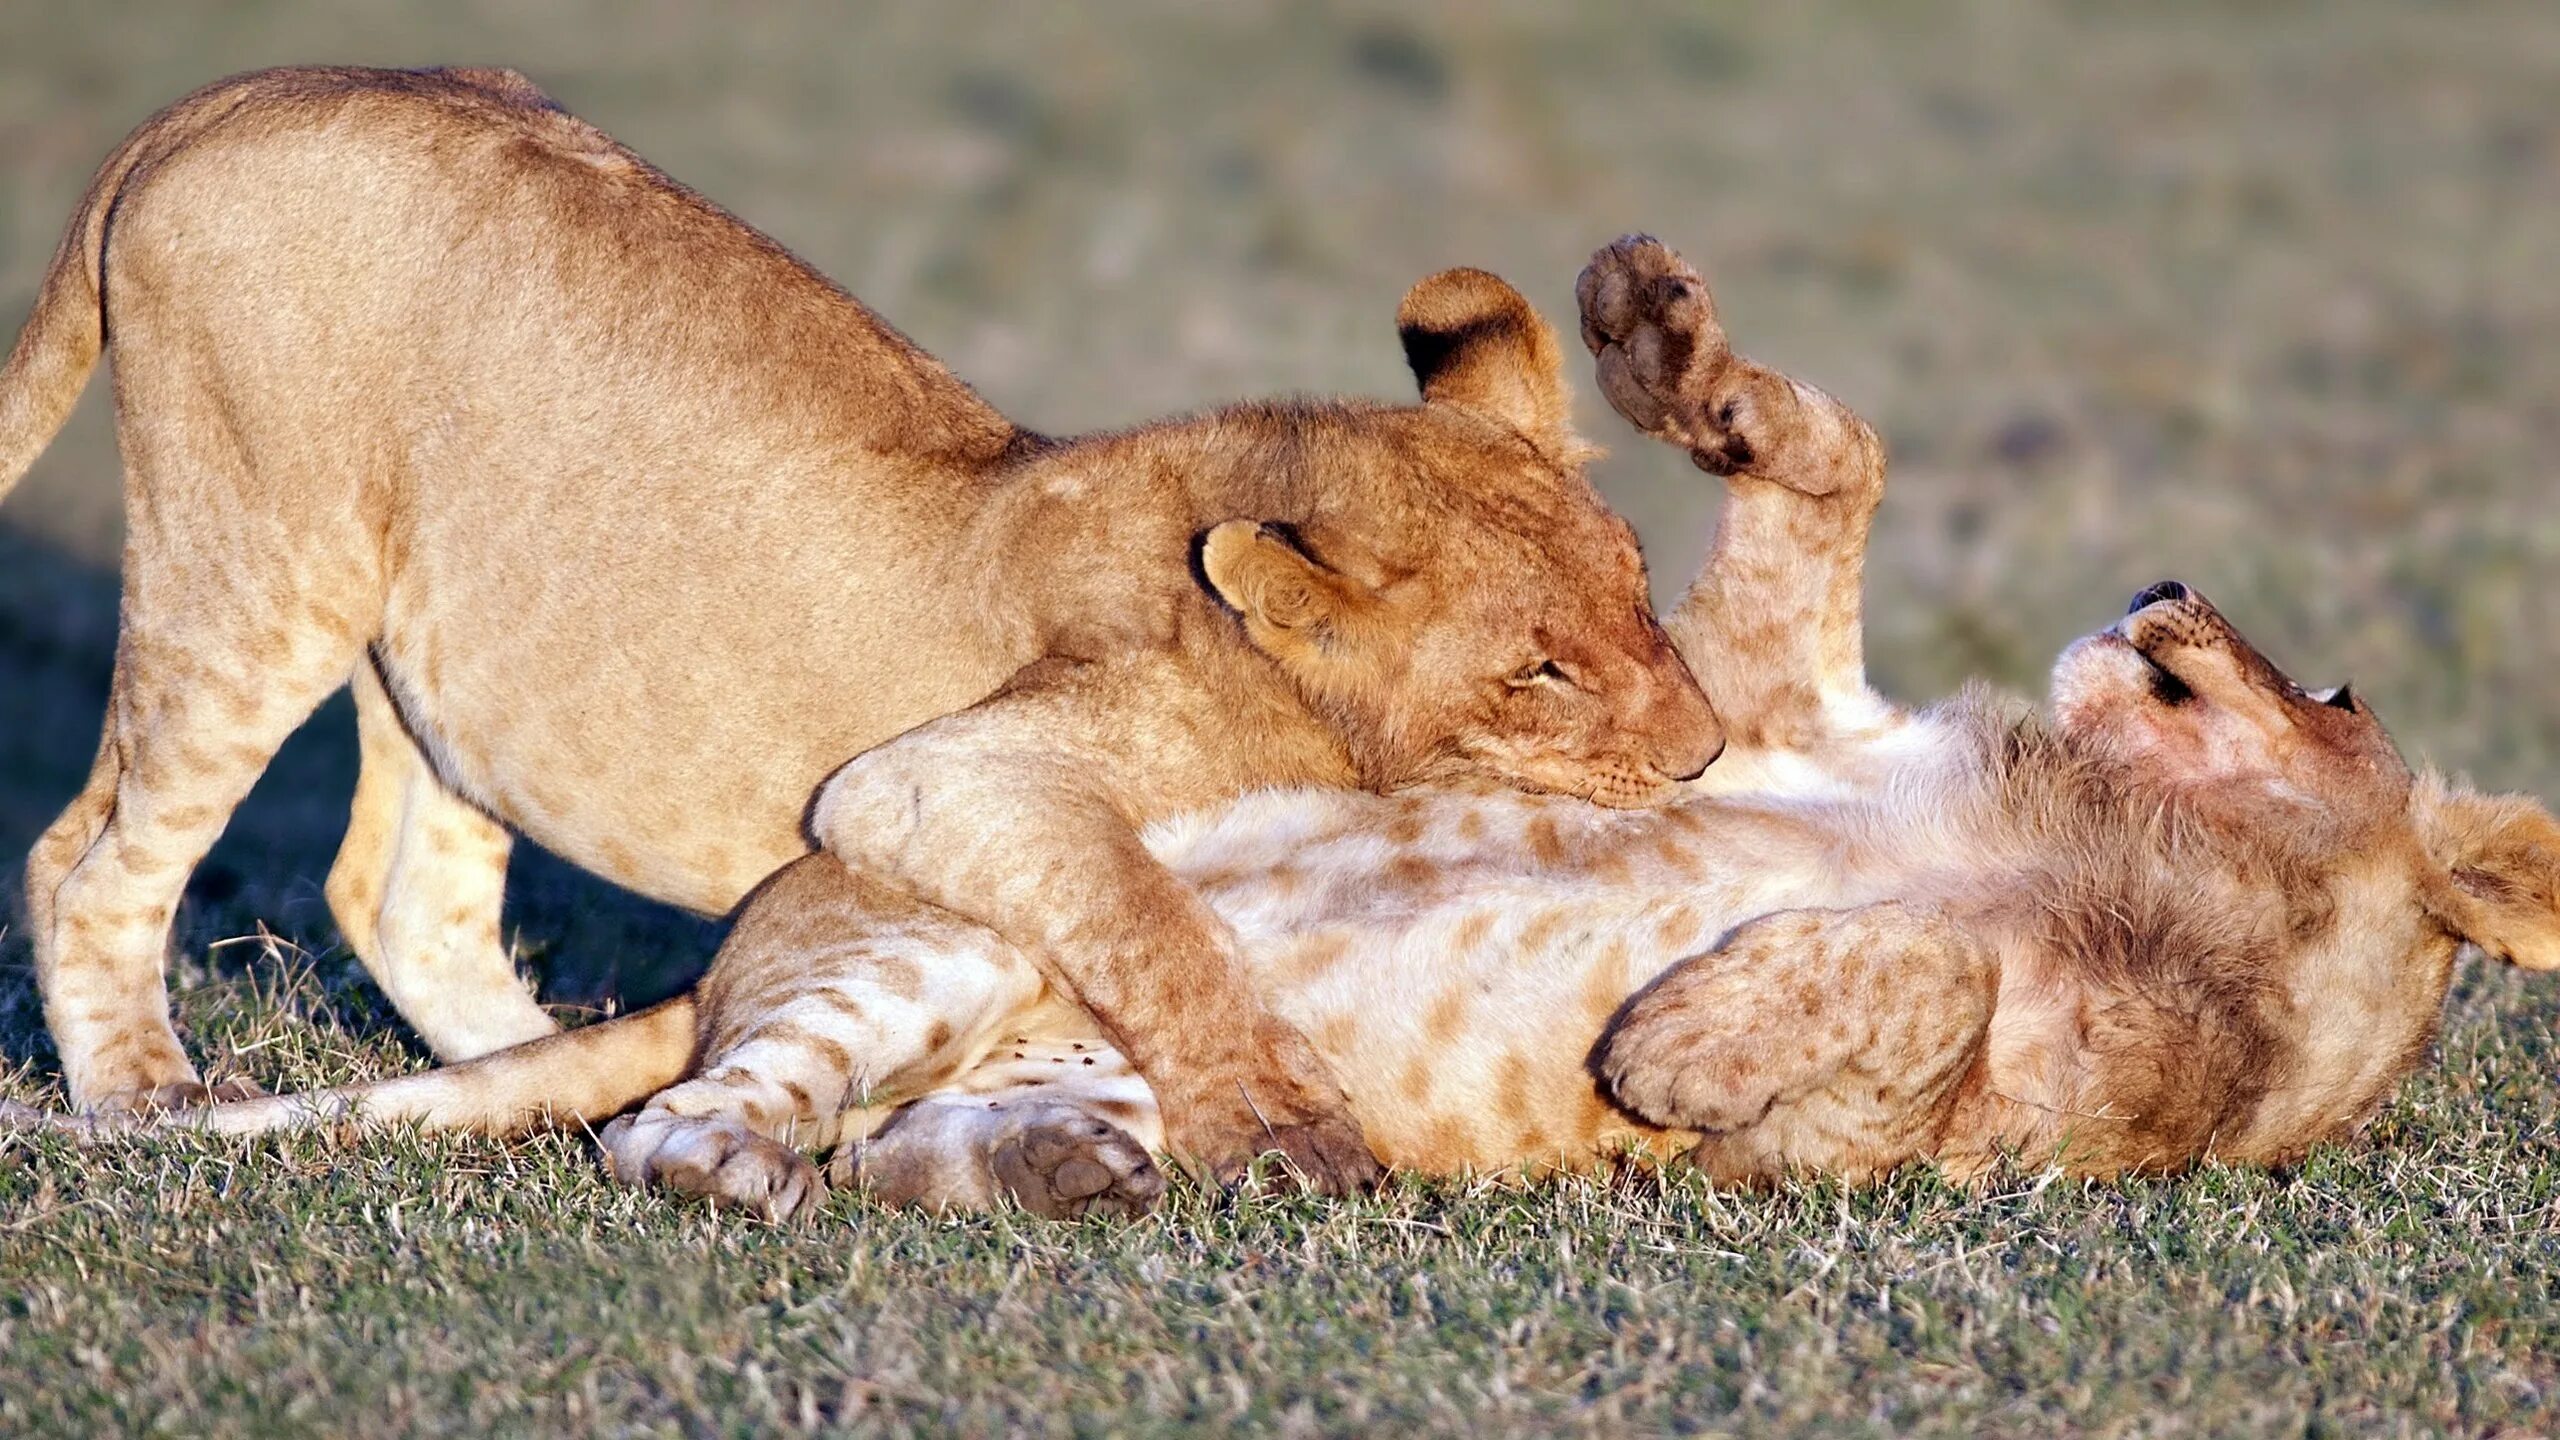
point(1771, 627)
point(1832, 1041)
point(1023, 813)
point(831, 994)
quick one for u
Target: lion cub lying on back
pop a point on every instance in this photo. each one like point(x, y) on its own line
point(2192, 911)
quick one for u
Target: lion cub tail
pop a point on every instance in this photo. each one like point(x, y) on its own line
point(60, 345)
point(65, 333)
point(579, 1077)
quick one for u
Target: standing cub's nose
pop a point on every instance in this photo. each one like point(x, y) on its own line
point(2165, 590)
point(1702, 765)
point(1689, 738)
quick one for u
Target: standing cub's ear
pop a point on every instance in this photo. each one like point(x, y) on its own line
point(2502, 855)
point(1473, 342)
point(1289, 602)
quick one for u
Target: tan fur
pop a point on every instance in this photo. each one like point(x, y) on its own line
point(2190, 912)
point(630, 529)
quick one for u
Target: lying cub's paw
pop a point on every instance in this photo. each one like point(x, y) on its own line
point(1686, 1054)
point(1651, 323)
point(1051, 1158)
point(1666, 366)
point(1688, 1085)
point(720, 1160)
point(1059, 1161)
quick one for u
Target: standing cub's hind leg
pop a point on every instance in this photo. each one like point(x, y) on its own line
point(186, 738)
point(238, 619)
point(418, 888)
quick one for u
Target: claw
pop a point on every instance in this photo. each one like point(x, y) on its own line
point(1320, 1157)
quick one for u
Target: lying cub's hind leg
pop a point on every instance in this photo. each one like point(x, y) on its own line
point(417, 890)
point(1835, 1041)
point(831, 994)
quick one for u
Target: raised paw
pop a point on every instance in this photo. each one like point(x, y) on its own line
point(718, 1159)
point(1061, 1162)
point(1651, 323)
point(1665, 365)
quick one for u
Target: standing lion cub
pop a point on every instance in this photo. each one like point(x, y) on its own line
point(628, 529)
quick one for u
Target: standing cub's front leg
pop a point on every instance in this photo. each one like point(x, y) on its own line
point(975, 867)
point(1023, 814)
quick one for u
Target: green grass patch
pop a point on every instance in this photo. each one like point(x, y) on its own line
point(390, 1283)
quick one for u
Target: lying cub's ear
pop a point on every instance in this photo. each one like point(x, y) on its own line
point(1286, 598)
point(1474, 342)
point(2502, 856)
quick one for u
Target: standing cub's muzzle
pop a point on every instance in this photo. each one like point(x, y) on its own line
point(1668, 722)
point(1695, 744)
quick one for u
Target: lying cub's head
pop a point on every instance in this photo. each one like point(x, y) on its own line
point(2325, 888)
point(1449, 587)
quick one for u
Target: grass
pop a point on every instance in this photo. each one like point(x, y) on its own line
point(406, 1285)
point(2259, 297)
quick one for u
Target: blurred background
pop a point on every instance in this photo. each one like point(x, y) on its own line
point(2265, 297)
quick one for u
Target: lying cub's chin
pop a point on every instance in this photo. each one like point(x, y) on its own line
point(2098, 692)
point(2104, 706)
point(2203, 763)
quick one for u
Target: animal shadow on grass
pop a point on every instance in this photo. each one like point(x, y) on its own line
point(586, 942)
